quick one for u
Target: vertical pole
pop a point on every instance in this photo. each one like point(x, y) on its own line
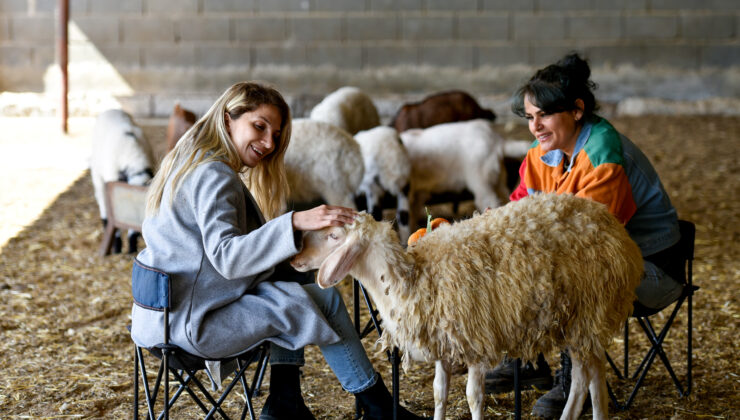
point(517, 391)
point(356, 308)
point(62, 44)
point(396, 382)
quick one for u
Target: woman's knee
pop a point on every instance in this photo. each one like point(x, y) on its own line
point(657, 289)
point(329, 300)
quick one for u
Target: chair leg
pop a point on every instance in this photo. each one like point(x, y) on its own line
point(517, 391)
point(657, 342)
point(261, 369)
point(396, 391)
point(356, 315)
point(689, 352)
point(615, 369)
point(216, 405)
point(150, 397)
point(184, 387)
point(626, 347)
point(166, 391)
point(107, 242)
point(136, 385)
point(247, 392)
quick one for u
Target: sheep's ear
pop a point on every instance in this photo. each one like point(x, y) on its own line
point(338, 263)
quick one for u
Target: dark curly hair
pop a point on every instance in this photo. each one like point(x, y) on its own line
point(556, 87)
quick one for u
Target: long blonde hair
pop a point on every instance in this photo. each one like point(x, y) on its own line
point(208, 140)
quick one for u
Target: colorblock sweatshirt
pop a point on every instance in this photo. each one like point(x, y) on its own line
point(606, 167)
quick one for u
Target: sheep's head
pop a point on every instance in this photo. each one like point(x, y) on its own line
point(333, 250)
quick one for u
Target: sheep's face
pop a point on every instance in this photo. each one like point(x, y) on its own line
point(317, 245)
point(332, 250)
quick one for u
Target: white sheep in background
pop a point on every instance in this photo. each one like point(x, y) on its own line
point(120, 152)
point(453, 157)
point(323, 162)
point(387, 171)
point(546, 272)
point(348, 108)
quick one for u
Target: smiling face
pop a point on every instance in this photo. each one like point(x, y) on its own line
point(255, 133)
point(556, 131)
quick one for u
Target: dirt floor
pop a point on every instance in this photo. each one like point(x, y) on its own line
point(67, 354)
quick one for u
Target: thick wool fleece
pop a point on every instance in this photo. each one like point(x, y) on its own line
point(548, 271)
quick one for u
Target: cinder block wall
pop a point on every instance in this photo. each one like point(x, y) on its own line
point(163, 50)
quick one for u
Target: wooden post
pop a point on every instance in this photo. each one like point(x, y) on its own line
point(62, 44)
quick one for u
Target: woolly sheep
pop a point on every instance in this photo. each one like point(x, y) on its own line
point(348, 108)
point(546, 272)
point(120, 152)
point(387, 171)
point(323, 162)
point(453, 157)
point(440, 108)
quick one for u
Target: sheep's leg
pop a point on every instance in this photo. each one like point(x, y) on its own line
point(484, 194)
point(475, 390)
point(416, 208)
point(402, 217)
point(117, 242)
point(339, 199)
point(502, 189)
point(133, 238)
point(441, 387)
point(597, 386)
point(579, 381)
point(98, 188)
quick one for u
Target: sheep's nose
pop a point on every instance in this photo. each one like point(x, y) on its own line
point(296, 263)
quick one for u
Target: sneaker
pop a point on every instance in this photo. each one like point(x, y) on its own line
point(501, 378)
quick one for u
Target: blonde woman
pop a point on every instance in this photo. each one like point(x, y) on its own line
point(213, 224)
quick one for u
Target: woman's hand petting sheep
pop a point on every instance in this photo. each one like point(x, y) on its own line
point(323, 216)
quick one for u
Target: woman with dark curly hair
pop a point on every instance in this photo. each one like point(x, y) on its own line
point(576, 151)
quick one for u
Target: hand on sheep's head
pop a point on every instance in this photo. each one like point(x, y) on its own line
point(323, 216)
point(333, 250)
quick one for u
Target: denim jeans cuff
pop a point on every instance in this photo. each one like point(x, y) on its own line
point(368, 384)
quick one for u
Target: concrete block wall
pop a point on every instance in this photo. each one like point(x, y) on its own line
point(167, 49)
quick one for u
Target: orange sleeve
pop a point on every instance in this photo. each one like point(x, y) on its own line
point(608, 184)
point(521, 190)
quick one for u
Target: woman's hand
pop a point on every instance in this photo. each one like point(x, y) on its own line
point(322, 216)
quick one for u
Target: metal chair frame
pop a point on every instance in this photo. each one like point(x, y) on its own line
point(375, 324)
point(688, 233)
point(184, 366)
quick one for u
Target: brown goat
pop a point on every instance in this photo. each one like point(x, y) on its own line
point(440, 108)
point(180, 121)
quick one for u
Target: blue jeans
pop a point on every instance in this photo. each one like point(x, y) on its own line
point(657, 289)
point(347, 357)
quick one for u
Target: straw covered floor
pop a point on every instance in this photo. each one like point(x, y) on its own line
point(64, 310)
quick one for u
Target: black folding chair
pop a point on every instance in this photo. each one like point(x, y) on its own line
point(152, 291)
point(375, 324)
point(657, 339)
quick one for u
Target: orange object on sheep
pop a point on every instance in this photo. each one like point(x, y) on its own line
point(434, 224)
point(439, 221)
point(416, 236)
